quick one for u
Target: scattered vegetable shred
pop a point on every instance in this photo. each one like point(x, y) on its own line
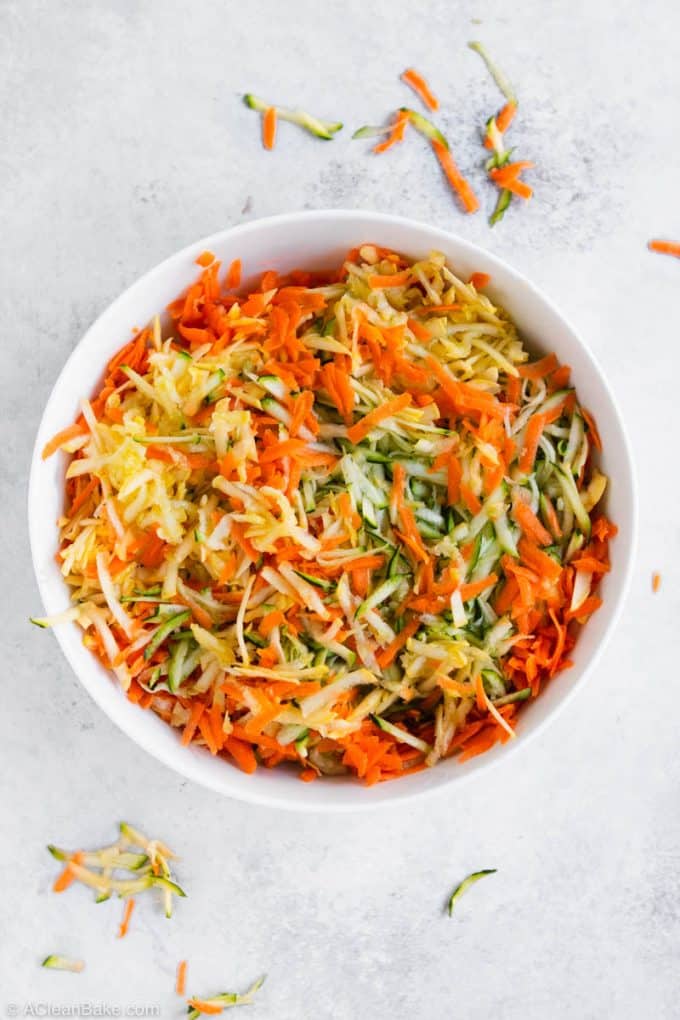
point(665, 247)
point(318, 128)
point(56, 962)
point(465, 885)
point(504, 174)
point(131, 865)
point(225, 1000)
point(344, 522)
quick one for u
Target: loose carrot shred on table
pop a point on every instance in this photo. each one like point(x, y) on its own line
point(656, 581)
point(209, 1008)
point(67, 877)
point(506, 116)
point(665, 247)
point(421, 88)
point(181, 979)
point(396, 133)
point(511, 183)
point(269, 127)
point(455, 178)
point(127, 914)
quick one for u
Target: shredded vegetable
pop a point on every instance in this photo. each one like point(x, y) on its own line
point(665, 247)
point(218, 1003)
point(503, 173)
point(131, 865)
point(319, 128)
point(342, 521)
point(421, 88)
point(56, 962)
point(127, 914)
point(465, 885)
point(498, 76)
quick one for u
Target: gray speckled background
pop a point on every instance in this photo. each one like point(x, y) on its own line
point(124, 139)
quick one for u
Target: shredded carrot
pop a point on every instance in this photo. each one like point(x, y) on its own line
point(530, 524)
point(389, 654)
point(67, 877)
point(71, 432)
point(269, 127)
point(534, 431)
point(377, 282)
point(396, 134)
point(592, 428)
point(181, 980)
point(127, 914)
point(209, 1008)
point(234, 275)
point(461, 187)
point(538, 369)
point(506, 116)
point(656, 581)
point(242, 753)
point(480, 280)
point(366, 424)
point(474, 588)
point(421, 88)
point(665, 247)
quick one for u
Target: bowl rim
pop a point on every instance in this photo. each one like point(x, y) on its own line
point(367, 799)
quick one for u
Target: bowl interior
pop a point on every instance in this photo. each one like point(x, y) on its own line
point(317, 241)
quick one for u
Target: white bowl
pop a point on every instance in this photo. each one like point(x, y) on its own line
point(320, 240)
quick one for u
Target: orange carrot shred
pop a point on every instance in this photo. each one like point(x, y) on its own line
point(181, 980)
point(665, 247)
point(656, 581)
point(421, 88)
point(127, 914)
point(461, 187)
point(396, 134)
point(234, 275)
point(71, 432)
point(269, 127)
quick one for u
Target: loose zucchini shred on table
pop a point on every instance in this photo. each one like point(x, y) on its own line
point(216, 1004)
point(341, 521)
point(67, 963)
point(463, 886)
point(271, 114)
point(128, 867)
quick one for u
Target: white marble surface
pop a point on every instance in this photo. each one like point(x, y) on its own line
point(124, 139)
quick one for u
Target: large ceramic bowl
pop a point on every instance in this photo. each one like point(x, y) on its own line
point(318, 240)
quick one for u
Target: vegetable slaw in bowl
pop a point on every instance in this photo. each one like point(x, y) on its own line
point(341, 521)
